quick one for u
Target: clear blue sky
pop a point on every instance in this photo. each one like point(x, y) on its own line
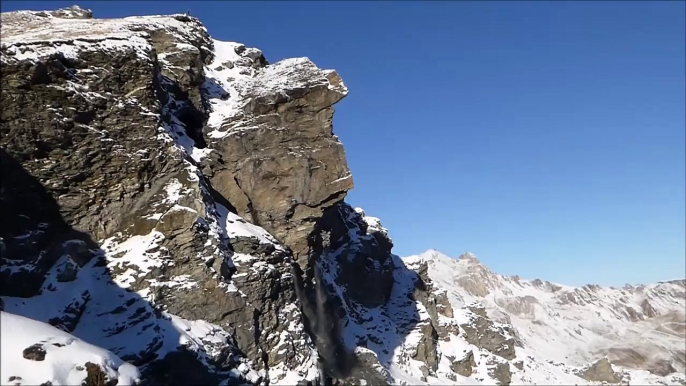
point(545, 137)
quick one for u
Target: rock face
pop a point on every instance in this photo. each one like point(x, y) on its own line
point(501, 372)
point(465, 365)
point(162, 185)
point(277, 155)
point(601, 371)
point(482, 332)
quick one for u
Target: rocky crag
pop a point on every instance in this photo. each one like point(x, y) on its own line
point(154, 178)
point(173, 213)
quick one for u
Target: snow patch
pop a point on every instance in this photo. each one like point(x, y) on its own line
point(65, 356)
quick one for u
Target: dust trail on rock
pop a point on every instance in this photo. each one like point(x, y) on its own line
point(321, 323)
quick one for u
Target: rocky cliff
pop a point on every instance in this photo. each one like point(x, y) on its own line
point(154, 178)
point(173, 213)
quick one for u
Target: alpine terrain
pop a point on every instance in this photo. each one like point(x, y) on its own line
point(173, 212)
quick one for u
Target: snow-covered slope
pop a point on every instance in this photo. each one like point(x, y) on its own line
point(34, 353)
point(558, 331)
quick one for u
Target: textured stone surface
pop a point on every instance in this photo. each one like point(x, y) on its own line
point(281, 160)
point(35, 352)
point(483, 333)
point(501, 372)
point(436, 303)
point(426, 351)
point(349, 270)
point(99, 153)
point(93, 162)
point(465, 365)
point(601, 371)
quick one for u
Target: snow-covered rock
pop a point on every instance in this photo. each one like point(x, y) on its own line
point(137, 245)
point(159, 191)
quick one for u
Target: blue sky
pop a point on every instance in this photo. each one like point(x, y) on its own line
point(545, 137)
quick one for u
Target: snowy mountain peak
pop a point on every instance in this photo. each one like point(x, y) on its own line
point(433, 254)
point(73, 12)
point(468, 256)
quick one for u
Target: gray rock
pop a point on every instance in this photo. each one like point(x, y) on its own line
point(661, 367)
point(311, 177)
point(501, 372)
point(600, 371)
point(252, 246)
point(483, 333)
point(427, 349)
point(116, 168)
point(648, 309)
point(465, 365)
point(68, 272)
point(433, 300)
point(34, 352)
point(95, 376)
point(86, 159)
point(369, 370)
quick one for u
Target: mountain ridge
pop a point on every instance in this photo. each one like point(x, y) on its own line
point(529, 305)
point(471, 255)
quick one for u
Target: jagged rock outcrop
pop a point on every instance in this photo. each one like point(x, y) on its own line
point(427, 348)
point(349, 271)
point(501, 372)
point(161, 159)
point(465, 365)
point(278, 154)
point(112, 156)
point(366, 269)
point(92, 140)
point(482, 332)
point(601, 371)
point(436, 303)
